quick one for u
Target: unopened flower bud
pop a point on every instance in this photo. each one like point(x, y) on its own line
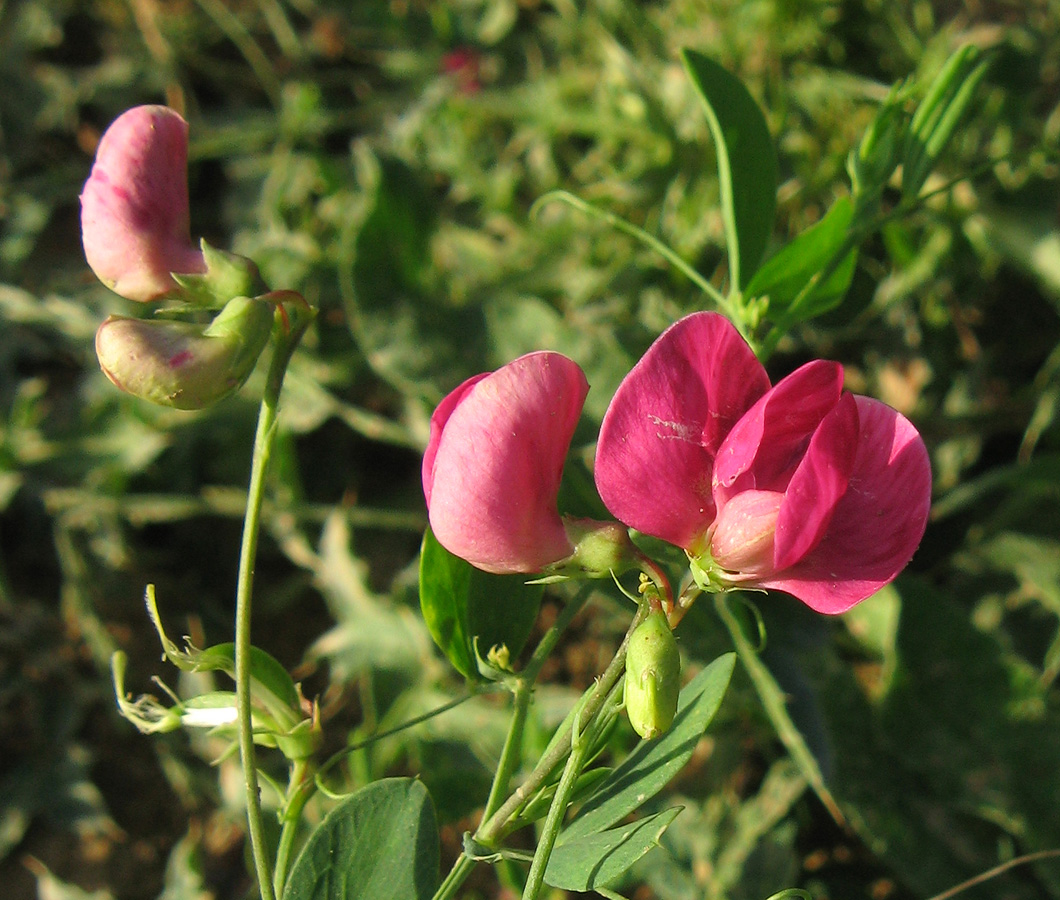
point(134, 206)
point(653, 676)
point(184, 365)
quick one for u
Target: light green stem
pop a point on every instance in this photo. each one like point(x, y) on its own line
point(554, 819)
point(773, 702)
point(298, 794)
point(264, 439)
point(511, 754)
point(492, 828)
point(667, 253)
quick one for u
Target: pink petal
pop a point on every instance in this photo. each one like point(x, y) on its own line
point(744, 533)
point(766, 445)
point(818, 484)
point(493, 465)
point(439, 417)
point(134, 206)
point(878, 523)
point(666, 422)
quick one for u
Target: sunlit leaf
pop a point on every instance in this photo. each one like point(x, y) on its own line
point(747, 162)
point(646, 771)
point(597, 859)
point(378, 844)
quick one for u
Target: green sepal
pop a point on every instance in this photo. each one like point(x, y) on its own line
point(227, 275)
point(270, 684)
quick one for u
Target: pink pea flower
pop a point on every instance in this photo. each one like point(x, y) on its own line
point(800, 487)
point(134, 206)
point(492, 467)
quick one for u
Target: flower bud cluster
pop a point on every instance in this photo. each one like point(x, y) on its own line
point(135, 227)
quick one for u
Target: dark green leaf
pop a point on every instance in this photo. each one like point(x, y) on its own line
point(747, 162)
point(596, 860)
point(378, 844)
point(787, 278)
point(652, 764)
point(462, 604)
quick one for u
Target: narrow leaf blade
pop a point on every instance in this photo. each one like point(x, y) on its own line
point(597, 860)
point(747, 162)
point(652, 764)
point(786, 278)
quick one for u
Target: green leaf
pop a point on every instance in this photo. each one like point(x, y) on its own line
point(378, 844)
point(596, 860)
point(747, 162)
point(652, 764)
point(462, 604)
point(788, 277)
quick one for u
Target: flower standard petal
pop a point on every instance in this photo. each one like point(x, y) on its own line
point(764, 448)
point(134, 206)
point(878, 523)
point(439, 417)
point(493, 465)
point(666, 422)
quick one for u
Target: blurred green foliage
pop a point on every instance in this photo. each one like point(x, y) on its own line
point(382, 158)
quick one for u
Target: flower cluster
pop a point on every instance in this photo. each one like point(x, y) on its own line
point(797, 486)
point(136, 235)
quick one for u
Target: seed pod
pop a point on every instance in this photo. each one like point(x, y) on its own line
point(653, 676)
point(181, 364)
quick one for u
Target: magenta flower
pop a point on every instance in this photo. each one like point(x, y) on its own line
point(134, 206)
point(492, 467)
point(799, 487)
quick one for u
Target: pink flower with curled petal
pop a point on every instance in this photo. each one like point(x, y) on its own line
point(799, 487)
point(492, 468)
point(134, 206)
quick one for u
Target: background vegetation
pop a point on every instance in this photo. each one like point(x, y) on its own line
point(382, 158)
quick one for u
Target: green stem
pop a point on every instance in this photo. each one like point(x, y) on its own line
point(554, 819)
point(298, 794)
point(648, 240)
point(456, 877)
point(773, 702)
point(492, 828)
point(511, 754)
point(263, 444)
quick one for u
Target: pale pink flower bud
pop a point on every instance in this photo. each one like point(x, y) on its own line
point(492, 468)
point(134, 206)
point(182, 364)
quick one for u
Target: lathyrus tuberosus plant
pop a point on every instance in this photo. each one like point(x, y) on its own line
point(799, 487)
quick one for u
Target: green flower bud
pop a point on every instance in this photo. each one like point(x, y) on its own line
point(181, 364)
point(600, 550)
point(653, 673)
